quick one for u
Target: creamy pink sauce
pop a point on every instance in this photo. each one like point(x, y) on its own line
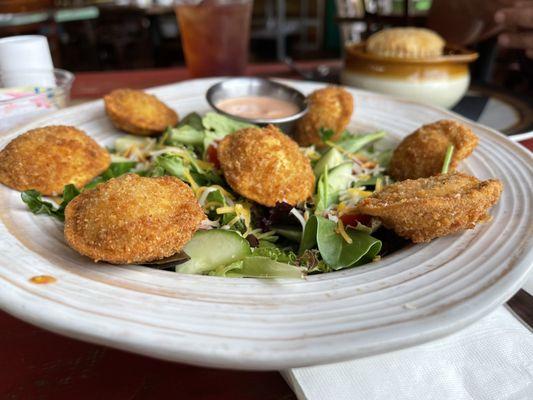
point(258, 107)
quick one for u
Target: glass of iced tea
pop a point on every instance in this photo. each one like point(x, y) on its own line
point(215, 35)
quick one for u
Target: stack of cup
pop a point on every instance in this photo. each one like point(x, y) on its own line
point(26, 61)
point(27, 80)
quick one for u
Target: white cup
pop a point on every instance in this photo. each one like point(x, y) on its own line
point(25, 61)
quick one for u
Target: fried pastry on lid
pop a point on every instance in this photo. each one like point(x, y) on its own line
point(406, 43)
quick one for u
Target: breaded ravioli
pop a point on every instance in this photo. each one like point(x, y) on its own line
point(421, 154)
point(48, 158)
point(329, 108)
point(266, 166)
point(426, 208)
point(133, 219)
point(139, 113)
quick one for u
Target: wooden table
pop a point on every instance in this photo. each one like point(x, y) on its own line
point(91, 85)
point(36, 364)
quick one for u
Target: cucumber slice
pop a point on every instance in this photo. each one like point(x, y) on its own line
point(211, 249)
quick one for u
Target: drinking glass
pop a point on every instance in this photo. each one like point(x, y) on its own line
point(215, 35)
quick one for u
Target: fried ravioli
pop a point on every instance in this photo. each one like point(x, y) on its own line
point(427, 208)
point(48, 158)
point(133, 219)
point(421, 154)
point(329, 108)
point(266, 166)
point(139, 113)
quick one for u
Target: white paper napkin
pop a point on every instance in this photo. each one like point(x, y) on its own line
point(490, 360)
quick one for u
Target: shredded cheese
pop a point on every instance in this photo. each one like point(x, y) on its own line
point(379, 184)
point(341, 207)
point(225, 210)
point(341, 231)
point(359, 192)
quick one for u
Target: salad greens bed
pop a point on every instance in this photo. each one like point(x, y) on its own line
point(240, 238)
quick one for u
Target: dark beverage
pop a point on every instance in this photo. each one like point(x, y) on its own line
point(215, 36)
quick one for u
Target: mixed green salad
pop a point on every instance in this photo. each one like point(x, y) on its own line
point(240, 238)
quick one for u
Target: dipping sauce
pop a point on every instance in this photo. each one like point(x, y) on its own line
point(258, 107)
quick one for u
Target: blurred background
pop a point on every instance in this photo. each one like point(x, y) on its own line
point(99, 35)
point(127, 35)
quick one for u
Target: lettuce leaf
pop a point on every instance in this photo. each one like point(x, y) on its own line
point(185, 134)
point(194, 120)
point(37, 205)
point(115, 170)
point(258, 267)
point(220, 125)
point(352, 143)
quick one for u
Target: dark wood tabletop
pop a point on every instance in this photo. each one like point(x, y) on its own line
point(91, 85)
point(36, 364)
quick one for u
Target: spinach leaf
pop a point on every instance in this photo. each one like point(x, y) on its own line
point(289, 232)
point(337, 253)
point(309, 235)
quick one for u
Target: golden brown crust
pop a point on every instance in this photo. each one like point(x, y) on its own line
point(329, 108)
point(406, 43)
point(266, 166)
point(139, 113)
point(427, 208)
point(133, 219)
point(48, 158)
point(421, 154)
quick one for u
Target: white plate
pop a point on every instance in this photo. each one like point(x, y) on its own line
point(417, 294)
